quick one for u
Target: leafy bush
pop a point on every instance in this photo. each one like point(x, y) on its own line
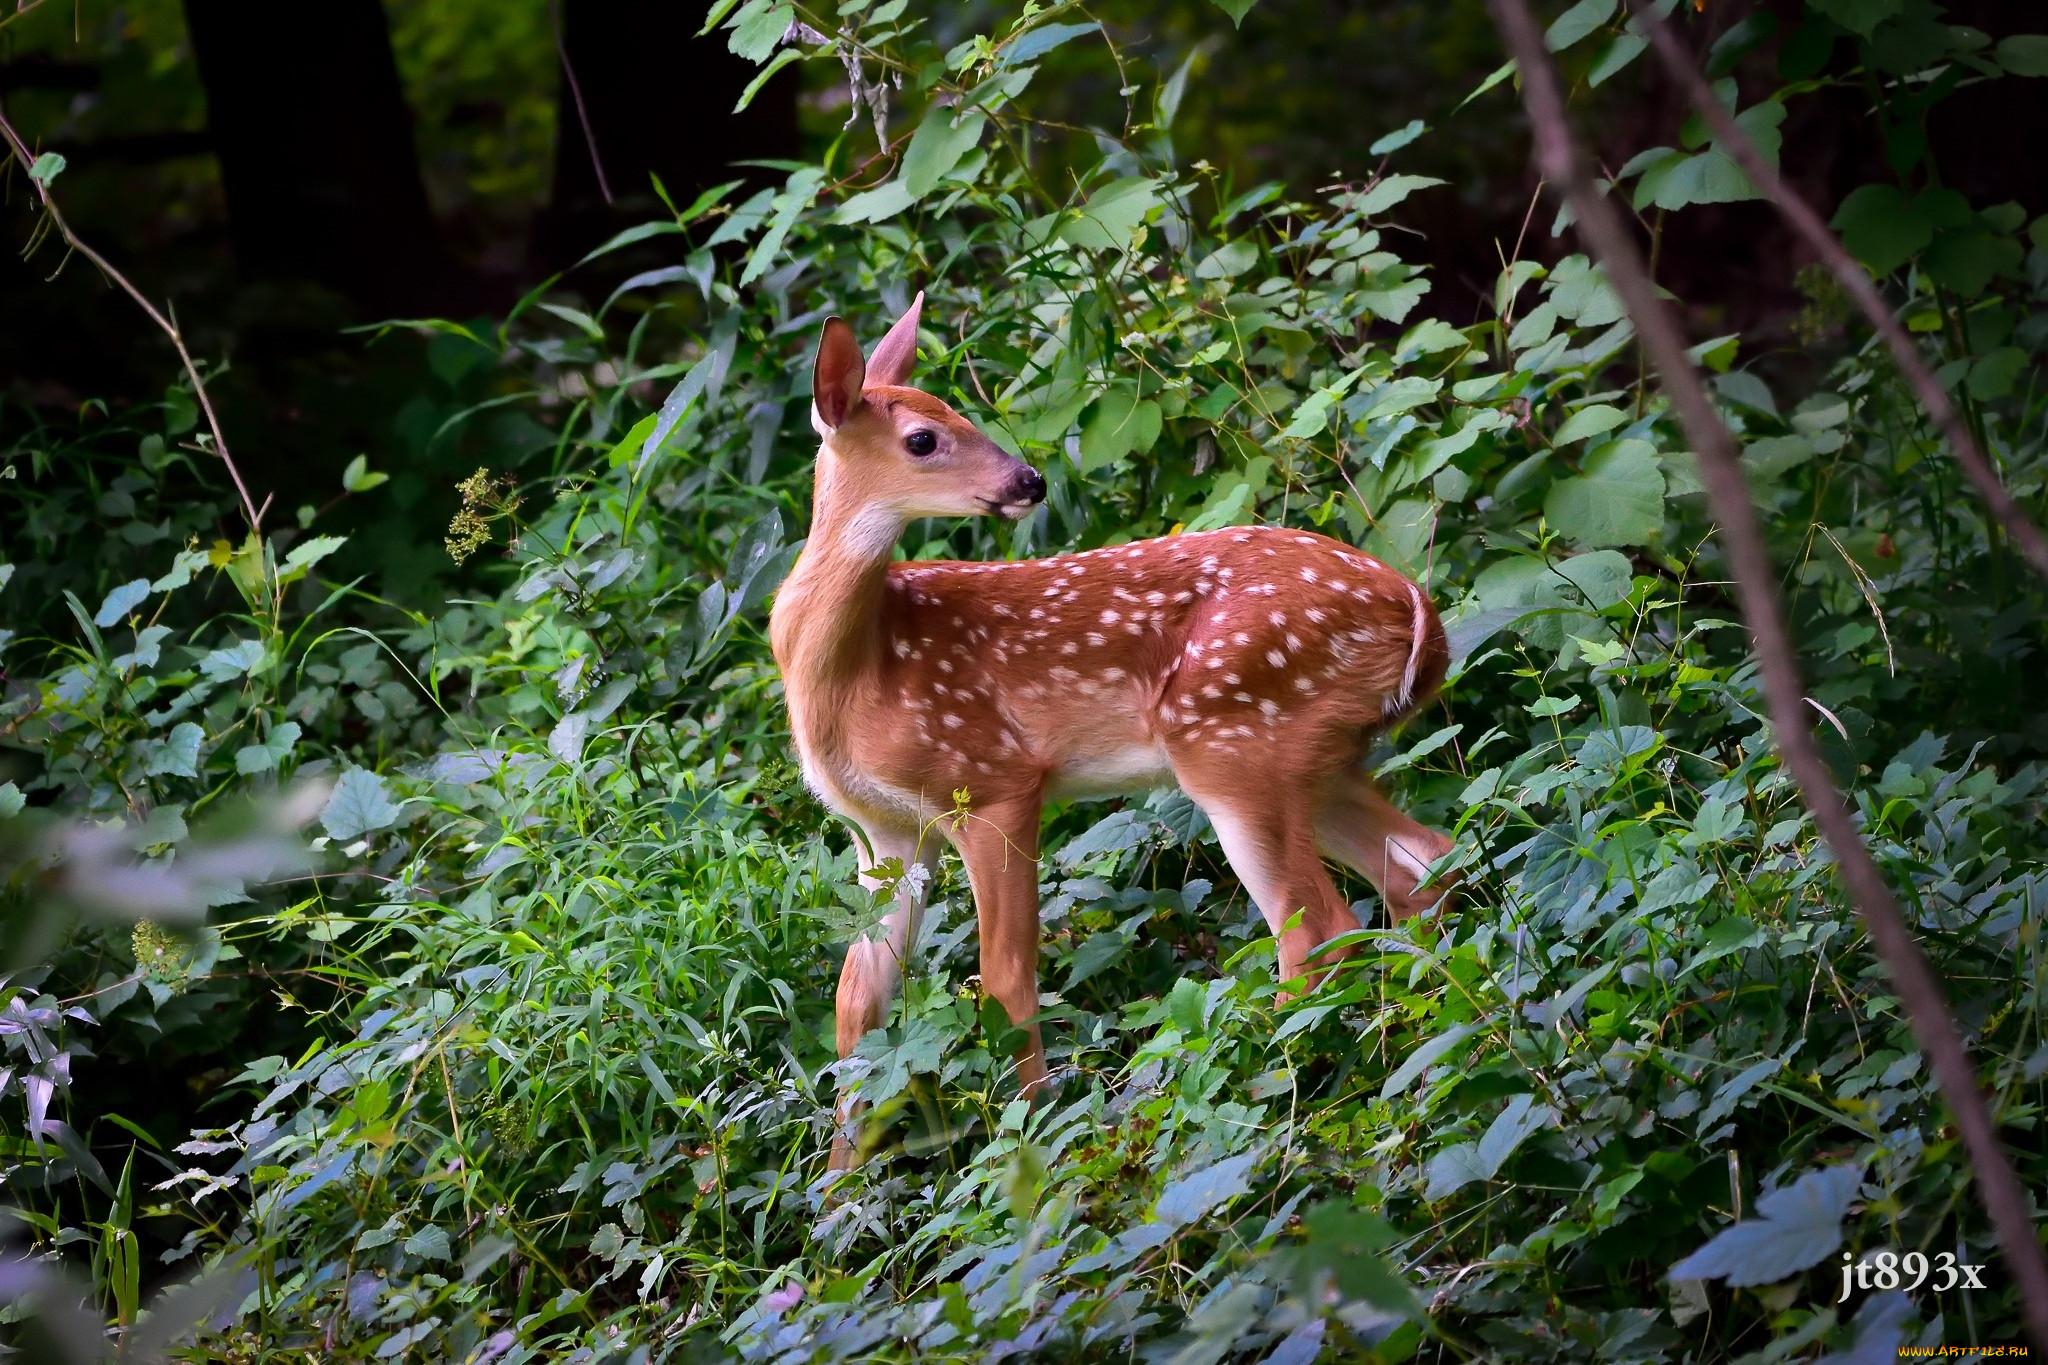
point(559, 1071)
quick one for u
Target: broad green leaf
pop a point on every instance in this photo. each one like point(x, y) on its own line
point(359, 478)
point(177, 754)
point(275, 748)
point(46, 168)
point(1966, 260)
point(120, 602)
point(1236, 9)
point(1228, 261)
point(1796, 1227)
point(1615, 57)
point(359, 804)
point(1881, 227)
point(1591, 420)
point(1391, 190)
point(1584, 18)
point(1423, 1058)
point(1121, 424)
point(1112, 214)
point(1192, 1196)
point(2024, 54)
point(1617, 499)
point(758, 27)
point(1034, 43)
point(1399, 138)
point(306, 554)
point(944, 137)
point(766, 74)
point(1860, 17)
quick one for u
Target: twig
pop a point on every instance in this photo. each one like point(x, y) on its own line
point(1749, 562)
point(170, 328)
point(1855, 281)
point(576, 93)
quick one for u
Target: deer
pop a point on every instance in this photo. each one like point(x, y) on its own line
point(936, 702)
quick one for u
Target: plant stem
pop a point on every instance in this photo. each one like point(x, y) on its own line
point(1924, 1001)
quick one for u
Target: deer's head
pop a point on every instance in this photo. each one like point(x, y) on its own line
point(896, 452)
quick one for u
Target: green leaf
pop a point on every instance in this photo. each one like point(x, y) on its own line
point(2024, 54)
point(358, 477)
point(758, 27)
point(1345, 1243)
point(1584, 18)
point(430, 1242)
point(120, 602)
point(1228, 261)
point(1967, 259)
point(1625, 48)
point(1112, 214)
point(1860, 17)
point(1618, 498)
point(1391, 190)
point(360, 803)
point(1097, 951)
point(1121, 424)
point(275, 748)
point(1034, 43)
point(625, 237)
point(1399, 138)
point(178, 753)
point(1192, 1196)
point(1771, 456)
point(46, 168)
point(11, 800)
point(1796, 1227)
point(765, 74)
point(937, 147)
point(1236, 9)
point(1312, 415)
point(1423, 1058)
point(306, 554)
point(1591, 420)
point(1994, 375)
point(1881, 227)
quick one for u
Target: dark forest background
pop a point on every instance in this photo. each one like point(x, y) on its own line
point(285, 173)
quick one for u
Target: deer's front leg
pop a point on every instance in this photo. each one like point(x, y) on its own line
point(874, 961)
point(998, 842)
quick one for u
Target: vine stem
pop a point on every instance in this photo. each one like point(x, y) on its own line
point(1918, 990)
point(170, 329)
point(1855, 281)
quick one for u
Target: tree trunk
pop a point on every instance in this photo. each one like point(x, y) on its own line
point(659, 101)
point(315, 144)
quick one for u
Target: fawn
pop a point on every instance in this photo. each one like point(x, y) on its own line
point(1249, 665)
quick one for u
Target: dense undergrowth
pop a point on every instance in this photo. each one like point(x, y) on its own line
point(533, 1059)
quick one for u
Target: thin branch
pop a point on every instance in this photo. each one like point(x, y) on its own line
point(170, 328)
point(1918, 991)
point(576, 93)
point(1855, 281)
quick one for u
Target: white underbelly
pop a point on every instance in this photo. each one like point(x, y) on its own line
point(1110, 770)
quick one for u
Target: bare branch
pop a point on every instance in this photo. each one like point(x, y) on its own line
point(1855, 280)
point(576, 93)
point(1926, 1006)
point(20, 151)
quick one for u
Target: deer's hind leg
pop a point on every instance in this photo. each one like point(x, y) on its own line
point(1356, 825)
point(1267, 829)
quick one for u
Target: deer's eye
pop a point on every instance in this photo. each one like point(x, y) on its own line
point(921, 443)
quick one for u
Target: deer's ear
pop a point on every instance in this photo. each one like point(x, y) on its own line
point(836, 376)
point(896, 354)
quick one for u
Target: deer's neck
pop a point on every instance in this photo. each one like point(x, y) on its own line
point(826, 628)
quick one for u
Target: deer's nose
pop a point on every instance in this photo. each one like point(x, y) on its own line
point(1030, 486)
